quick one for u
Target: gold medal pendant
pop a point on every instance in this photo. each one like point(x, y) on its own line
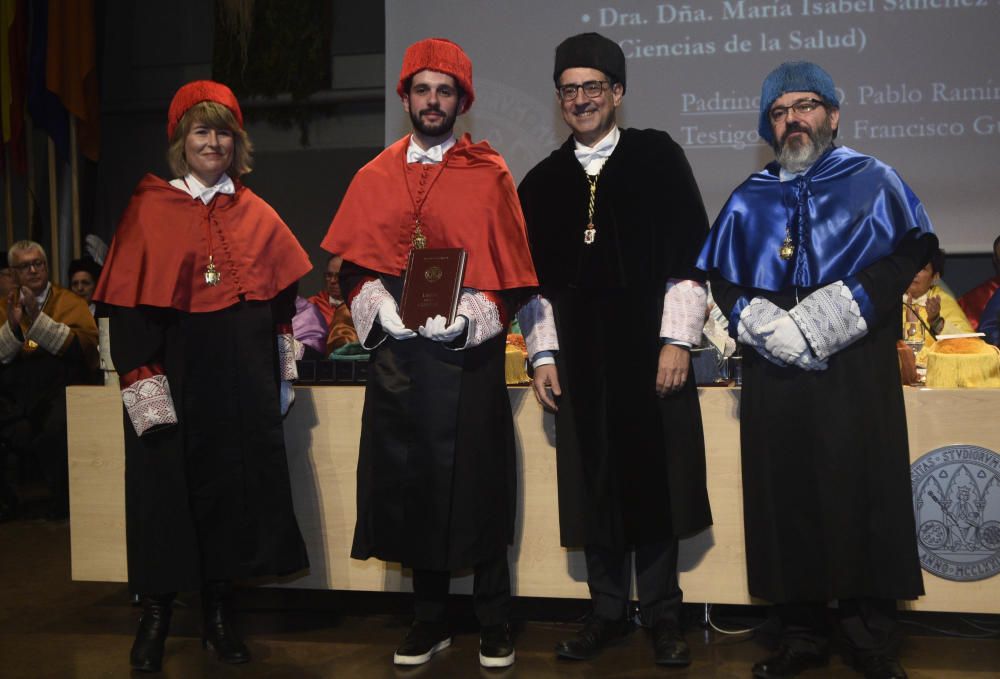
point(589, 233)
point(212, 276)
point(787, 249)
point(418, 240)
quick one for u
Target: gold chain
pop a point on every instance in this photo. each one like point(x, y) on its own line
point(590, 232)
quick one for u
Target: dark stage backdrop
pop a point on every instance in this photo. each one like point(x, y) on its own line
point(920, 83)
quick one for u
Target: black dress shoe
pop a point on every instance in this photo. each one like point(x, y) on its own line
point(147, 649)
point(422, 641)
point(669, 645)
point(217, 631)
point(881, 667)
point(496, 646)
point(788, 663)
point(596, 635)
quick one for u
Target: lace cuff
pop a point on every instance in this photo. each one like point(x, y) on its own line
point(49, 334)
point(287, 353)
point(146, 395)
point(10, 345)
point(484, 312)
point(538, 325)
point(755, 315)
point(364, 309)
point(684, 306)
point(830, 319)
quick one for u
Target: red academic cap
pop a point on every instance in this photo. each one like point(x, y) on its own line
point(443, 56)
point(198, 91)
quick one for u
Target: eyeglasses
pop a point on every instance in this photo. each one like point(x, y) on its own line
point(592, 88)
point(331, 276)
point(33, 264)
point(801, 107)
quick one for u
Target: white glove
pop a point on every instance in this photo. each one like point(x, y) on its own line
point(785, 341)
point(390, 321)
point(287, 396)
point(437, 330)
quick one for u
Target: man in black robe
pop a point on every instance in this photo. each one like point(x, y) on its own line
point(615, 221)
point(809, 260)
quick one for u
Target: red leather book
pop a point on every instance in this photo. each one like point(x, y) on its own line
point(432, 285)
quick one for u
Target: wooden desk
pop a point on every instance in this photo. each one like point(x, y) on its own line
point(322, 434)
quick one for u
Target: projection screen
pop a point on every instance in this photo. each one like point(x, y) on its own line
point(919, 83)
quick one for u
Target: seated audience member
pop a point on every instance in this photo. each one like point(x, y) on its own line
point(342, 330)
point(83, 275)
point(310, 330)
point(927, 304)
point(48, 339)
point(989, 320)
point(974, 301)
point(330, 302)
point(7, 281)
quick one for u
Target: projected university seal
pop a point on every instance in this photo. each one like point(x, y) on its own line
point(956, 502)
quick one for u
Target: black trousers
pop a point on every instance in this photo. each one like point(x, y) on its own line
point(609, 576)
point(490, 593)
point(869, 626)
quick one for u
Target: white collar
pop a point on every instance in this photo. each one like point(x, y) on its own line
point(435, 154)
point(592, 158)
point(43, 297)
point(786, 176)
point(199, 191)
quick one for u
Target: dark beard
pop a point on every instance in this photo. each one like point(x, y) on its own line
point(441, 129)
point(801, 155)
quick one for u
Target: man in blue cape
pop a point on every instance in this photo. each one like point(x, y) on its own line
point(809, 259)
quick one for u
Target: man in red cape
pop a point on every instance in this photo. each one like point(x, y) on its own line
point(436, 473)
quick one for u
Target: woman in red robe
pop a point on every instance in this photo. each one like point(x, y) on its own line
point(200, 281)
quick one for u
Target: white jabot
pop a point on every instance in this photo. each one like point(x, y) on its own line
point(592, 158)
point(435, 154)
point(199, 191)
point(786, 176)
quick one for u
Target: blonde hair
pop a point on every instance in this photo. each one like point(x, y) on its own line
point(217, 116)
point(24, 246)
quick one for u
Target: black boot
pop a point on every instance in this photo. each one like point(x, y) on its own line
point(218, 633)
point(147, 651)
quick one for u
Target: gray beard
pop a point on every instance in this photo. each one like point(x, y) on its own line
point(804, 154)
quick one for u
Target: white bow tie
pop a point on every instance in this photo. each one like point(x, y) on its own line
point(226, 186)
point(431, 155)
point(587, 155)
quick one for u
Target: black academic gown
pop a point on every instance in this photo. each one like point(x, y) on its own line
point(208, 498)
point(826, 496)
point(436, 468)
point(631, 465)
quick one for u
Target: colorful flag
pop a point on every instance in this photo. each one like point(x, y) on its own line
point(44, 107)
point(71, 68)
